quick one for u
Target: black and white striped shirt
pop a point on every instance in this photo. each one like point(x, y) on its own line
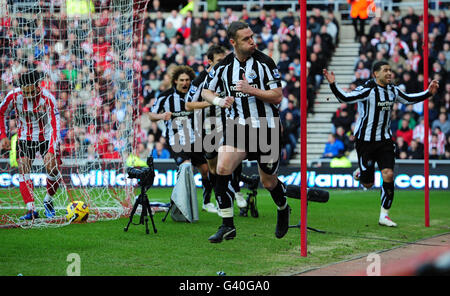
point(208, 118)
point(260, 72)
point(374, 107)
point(179, 129)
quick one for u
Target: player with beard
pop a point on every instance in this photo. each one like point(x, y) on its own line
point(251, 84)
point(208, 120)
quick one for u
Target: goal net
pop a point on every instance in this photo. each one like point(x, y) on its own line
point(86, 55)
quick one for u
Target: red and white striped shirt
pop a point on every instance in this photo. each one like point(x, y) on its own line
point(37, 119)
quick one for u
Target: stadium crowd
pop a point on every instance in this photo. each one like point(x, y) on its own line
point(93, 96)
point(397, 39)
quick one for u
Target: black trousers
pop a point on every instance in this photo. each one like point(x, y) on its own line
point(359, 30)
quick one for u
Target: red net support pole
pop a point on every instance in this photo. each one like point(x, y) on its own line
point(425, 114)
point(303, 116)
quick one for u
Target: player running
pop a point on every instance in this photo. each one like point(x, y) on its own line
point(251, 84)
point(208, 120)
point(374, 143)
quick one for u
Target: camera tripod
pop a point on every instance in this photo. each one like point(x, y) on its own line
point(146, 211)
point(252, 182)
point(251, 205)
point(168, 211)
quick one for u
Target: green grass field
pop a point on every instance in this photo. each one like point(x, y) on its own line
point(350, 219)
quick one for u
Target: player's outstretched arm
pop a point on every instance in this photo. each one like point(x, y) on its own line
point(408, 99)
point(329, 76)
point(159, 116)
point(359, 94)
point(212, 98)
point(195, 104)
point(191, 106)
point(433, 87)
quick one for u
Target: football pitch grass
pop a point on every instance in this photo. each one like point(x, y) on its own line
point(350, 220)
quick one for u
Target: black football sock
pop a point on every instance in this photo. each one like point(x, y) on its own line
point(236, 178)
point(278, 195)
point(387, 195)
point(207, 189)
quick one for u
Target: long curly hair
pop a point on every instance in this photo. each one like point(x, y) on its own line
point(178, 70)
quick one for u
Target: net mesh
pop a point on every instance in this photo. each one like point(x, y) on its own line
point(87, 54)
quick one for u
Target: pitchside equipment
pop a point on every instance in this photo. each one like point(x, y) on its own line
point(252, 184)
point(313, 194)
point(146, 177)
point(183, 201)
point(88, 56)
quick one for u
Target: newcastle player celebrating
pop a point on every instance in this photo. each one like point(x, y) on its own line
point(252, 87)
point(374, 142)
point(208, 121)
point(170, 107)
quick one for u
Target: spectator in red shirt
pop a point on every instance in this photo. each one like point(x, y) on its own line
point(184, 30)
point(68, 146)
point(405, 132)
point(111, 153)
point(100, 49)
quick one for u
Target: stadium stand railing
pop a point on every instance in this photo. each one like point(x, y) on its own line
point(19, 6)
point(336, 5)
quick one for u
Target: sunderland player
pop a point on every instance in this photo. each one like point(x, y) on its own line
point(374, 143)
point(38, 131)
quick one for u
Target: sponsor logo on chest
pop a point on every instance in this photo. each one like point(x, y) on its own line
point(385, 105)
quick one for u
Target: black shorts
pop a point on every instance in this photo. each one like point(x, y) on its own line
point(382, 153)
point(262, 146)
point(30, 148)
point(210, 155)
point(196, 158)
point(211, 151)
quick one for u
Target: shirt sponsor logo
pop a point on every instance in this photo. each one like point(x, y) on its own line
point(384, 106)
point(240, 94)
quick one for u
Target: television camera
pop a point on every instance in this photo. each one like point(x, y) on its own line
point(252, 184)
point(145, 175)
